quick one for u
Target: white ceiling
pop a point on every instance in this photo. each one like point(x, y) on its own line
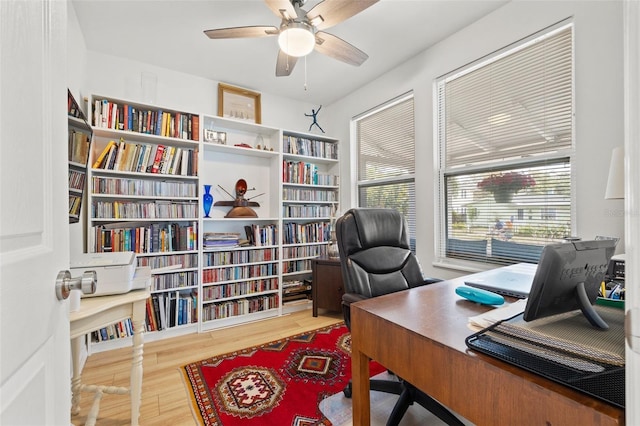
point(169, 34)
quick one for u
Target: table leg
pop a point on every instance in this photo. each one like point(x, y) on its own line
point(136, 362)
point(76, 349)
point(360, 383)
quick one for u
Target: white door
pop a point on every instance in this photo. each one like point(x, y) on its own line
point(34, 231)
point(632, 205)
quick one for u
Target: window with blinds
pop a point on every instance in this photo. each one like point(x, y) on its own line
point(386, 159)
point(505, 134)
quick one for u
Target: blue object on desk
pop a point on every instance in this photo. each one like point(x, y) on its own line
point(480, 296)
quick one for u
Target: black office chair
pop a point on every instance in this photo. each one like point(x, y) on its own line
point(376, 259)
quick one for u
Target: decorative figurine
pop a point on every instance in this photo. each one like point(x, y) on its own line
point(241, 206)
point(314, 114)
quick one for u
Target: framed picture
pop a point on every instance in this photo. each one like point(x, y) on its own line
point(238, 103)
point(215, 137)
point(210, 135)
point(222, 138)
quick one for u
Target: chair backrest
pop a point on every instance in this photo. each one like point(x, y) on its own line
point(374, 251)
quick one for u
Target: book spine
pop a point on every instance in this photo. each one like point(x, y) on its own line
point(158, 158)
point(185, 127)
point(103, 155)
point(195, 128)
point(121, 148)
point(158, 122)
point(104, 113)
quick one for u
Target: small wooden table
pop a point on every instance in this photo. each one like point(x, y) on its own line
point(327, 289)
point(419, 334)
point(96, 313)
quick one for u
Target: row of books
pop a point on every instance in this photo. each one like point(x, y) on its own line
point(238, 272)
point(301, 265)
point(143, 187)
point(183, 260)
point(76, 179)
point(166, 310)
point(244, 288)
point(147, 158)
point(151, 238)
point(304, 251)
point(298, 211)
point(162, 311)
point(233, 308)
point(310, 147)
point(262, 235)
point(159, 209)
point(119, 116)
point(302, 233)
point(301, 194)
point(75, 203)
point(73, 109)
point(79, 143)
point(174, 280)
point(303, 173)
point(118, 330)
point(234, 257)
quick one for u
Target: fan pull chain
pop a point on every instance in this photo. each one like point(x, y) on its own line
point(305, 73)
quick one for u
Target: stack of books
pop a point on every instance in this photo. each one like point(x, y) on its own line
point(296, 290)
point(221, 240)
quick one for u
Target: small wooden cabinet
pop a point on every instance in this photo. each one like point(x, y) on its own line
point(327, 284)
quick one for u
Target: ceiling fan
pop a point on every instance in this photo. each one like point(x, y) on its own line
point(301, 32)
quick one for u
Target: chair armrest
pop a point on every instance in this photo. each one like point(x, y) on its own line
point(432, 280)
point(349, 298)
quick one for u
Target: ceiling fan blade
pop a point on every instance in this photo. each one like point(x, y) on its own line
point(331, 12)
point(283, 9)
point(242, 32)
point(285, 64)
point(335, 47)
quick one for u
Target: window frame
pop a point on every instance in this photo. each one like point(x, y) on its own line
point(441, 170)
point(409, 178)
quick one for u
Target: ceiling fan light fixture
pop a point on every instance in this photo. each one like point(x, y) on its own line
point(297, 39)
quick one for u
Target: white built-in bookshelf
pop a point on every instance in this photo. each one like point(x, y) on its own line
point(309, 203)
point(151, 203)
point(79, 141)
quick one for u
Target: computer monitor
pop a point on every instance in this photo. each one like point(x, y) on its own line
point(568, 277)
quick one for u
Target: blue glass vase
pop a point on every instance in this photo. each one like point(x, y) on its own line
point(207, 200)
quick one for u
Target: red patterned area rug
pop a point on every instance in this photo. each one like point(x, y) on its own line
point(278, 383)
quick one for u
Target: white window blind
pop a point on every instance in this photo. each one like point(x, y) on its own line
point(505, 131)
point(386, 158)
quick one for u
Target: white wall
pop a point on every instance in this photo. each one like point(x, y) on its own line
point(91, 73)
point(598, 119)
point(118, 77)
point(94, 73)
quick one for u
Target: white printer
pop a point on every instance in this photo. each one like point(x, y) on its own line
point(116, 272)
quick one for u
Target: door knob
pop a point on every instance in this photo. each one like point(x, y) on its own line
point(86, 283)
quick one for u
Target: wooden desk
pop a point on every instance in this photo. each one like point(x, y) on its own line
point(419, 335)
point(327, 287)
point(98, 312)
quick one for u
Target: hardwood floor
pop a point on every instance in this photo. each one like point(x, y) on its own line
point(164, 398)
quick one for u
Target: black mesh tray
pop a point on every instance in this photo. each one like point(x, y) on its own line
point(607, 385)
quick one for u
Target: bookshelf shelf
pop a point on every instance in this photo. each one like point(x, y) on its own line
point(235, 150)
point(144, 137)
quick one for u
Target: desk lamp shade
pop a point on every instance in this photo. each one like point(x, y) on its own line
point(615, 182)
